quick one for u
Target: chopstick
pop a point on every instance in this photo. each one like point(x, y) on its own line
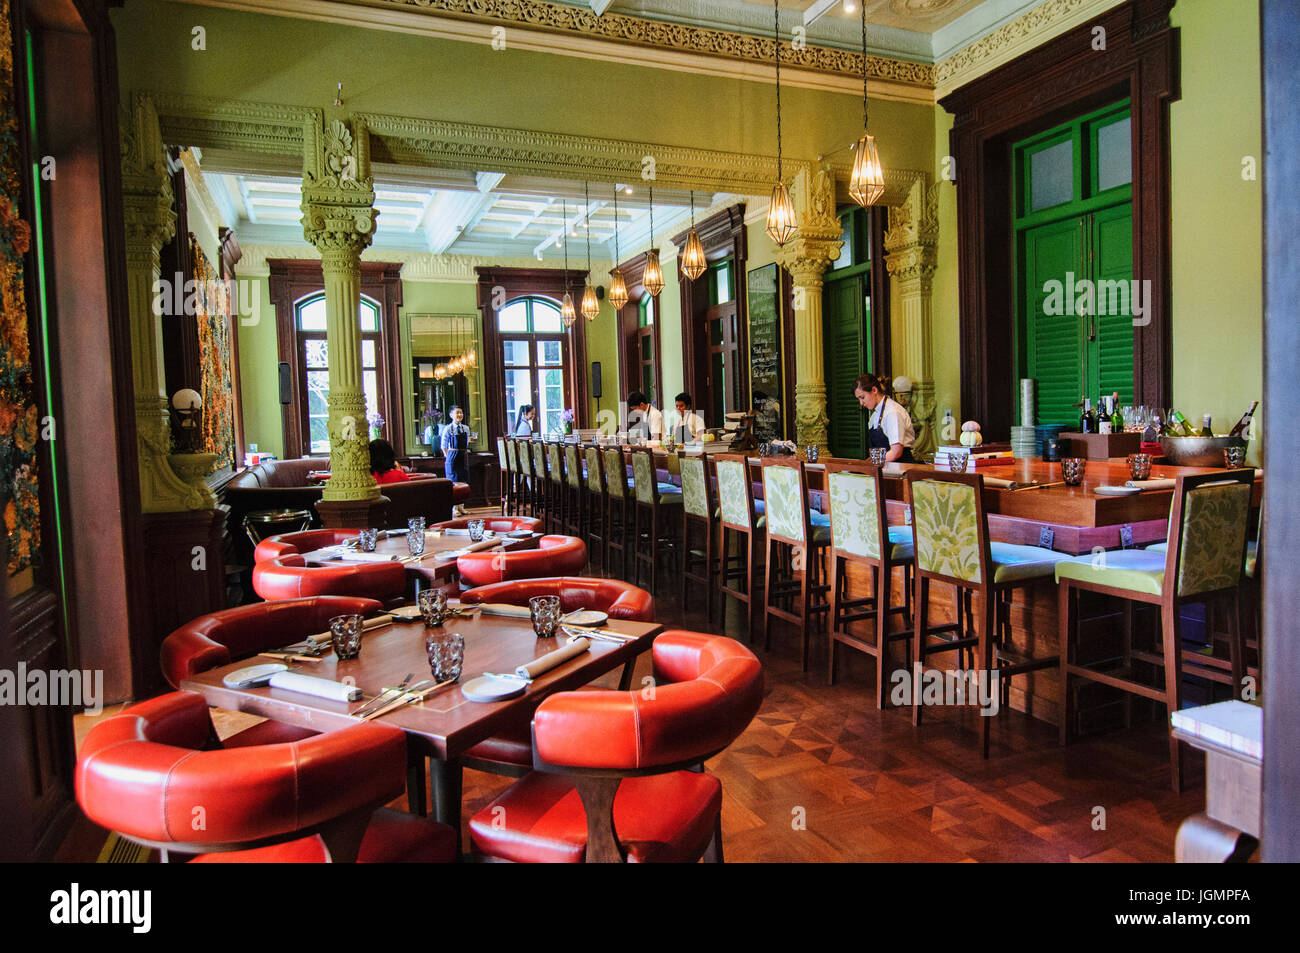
point(406, 699)
point(290, 657)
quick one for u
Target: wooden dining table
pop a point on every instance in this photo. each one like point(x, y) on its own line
point(441, 550)
point(446, 723)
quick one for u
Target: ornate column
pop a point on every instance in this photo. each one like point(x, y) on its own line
point(150, 224)
point(911, 255)
point(338, 217)
point(806, 257)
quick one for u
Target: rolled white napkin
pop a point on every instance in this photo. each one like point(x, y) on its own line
point(998, 482)
point(1165, 484)
point(326, 639)
point(551, 660)
point(355, 556)
point(501, 608)
point(472, 548)
point(893, 469)
point(319, 687)
point(455, 531)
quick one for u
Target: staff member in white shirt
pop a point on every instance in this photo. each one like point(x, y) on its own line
point(889, 425)
point(645, 416)
point(689, 425)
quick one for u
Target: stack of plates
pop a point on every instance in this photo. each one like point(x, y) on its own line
point(1025, 442)
point(1046, 432)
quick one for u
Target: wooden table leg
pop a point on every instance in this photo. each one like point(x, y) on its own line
point(445, 778)
point(1203, 840)
point(417, 798)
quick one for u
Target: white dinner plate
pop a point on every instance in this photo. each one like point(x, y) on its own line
point(486, 688)
point(586, 617)
point(406, 613)
point(520, 533)
point(253, 675)
point(1115, 490)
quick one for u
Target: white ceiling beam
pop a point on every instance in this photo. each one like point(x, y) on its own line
point(448, 214)
point(537, 213)
point(819, 9)
point(599, 6)
point(569, 225)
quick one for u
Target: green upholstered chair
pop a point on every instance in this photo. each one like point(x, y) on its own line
point(597, 506)
point(619, 515)
point(793, 590)
point(1204, 561)
point(575, 512)
point(555, 487)
point(740, 527)
point(541, 486)
point(503, 476)
point(861, 534)
point(510, 500)
point(656, 530)
point(699, 511)
point(951, 539)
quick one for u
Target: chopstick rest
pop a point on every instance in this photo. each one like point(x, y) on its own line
point(1152, 484)
point(550, 660)
point(318, 687)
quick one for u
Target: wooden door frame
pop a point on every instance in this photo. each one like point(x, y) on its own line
point(1062, 78)
point(627, 320)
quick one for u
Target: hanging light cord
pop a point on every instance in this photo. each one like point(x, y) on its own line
point(652, 216)
point(776, 50)
point(692, 209)
point(564, 210)
point(587, 196)
point(617, 256)
point(864, 67)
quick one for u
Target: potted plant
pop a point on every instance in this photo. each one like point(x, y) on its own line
point(376, 423)
point(430, 420)
point(566, 419)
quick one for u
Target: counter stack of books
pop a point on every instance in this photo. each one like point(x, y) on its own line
point(980, 456)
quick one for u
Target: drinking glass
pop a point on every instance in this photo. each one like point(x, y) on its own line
point(1139, 466)
point(446, 651)
point(1072, 470)
point(415, 535)
point(545, 611)
point(475, 530)
point(810, 453)
point(366, 540)
point(433, 606)
point(878, 455)
point(958, 461)
point(1234, 457)
point(345, 633)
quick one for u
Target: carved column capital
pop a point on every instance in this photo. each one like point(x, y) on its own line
point(911, 257)
point(338, 190)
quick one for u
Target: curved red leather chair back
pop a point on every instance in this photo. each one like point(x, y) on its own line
point(497, 524)
point(621, 600)
point(715, 686)
point(555, 556)
point(220, 638)
point(289, 577)
point(144, 774)
point(309, 540)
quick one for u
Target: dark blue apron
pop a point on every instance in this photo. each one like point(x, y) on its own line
point(458, 454)
point(877, 438)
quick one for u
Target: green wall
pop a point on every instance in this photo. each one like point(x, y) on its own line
point(259, 374)
point(945, 333)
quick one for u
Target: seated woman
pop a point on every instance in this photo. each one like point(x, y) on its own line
point(524, 421)
point(383, 463)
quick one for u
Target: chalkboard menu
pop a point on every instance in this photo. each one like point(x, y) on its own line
point(765, 337)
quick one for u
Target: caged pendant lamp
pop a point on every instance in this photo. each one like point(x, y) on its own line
point(617, 286)
point(566, 306)
point(867, 183)
point(590, 306)
point(693, 261)
point(780, 213)
point(653, 276)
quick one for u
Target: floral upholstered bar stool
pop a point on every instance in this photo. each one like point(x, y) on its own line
point(619, 515)
point(504, 476)
point(951, 537)
point(555, 487)
point(699, 511)
point(574, 497)
point(793, 588)
point(656, 516)
point(1203, 562)
point(737, 515)
point(597, 505)
point(861, 534)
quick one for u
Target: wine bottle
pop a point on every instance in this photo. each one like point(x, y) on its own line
point(1206, 431)
point(1179, 425)
point(1244, 423)
point(1116, 418)
point(1103, 415)
point(1087, 420)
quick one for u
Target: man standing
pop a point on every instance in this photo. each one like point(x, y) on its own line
point(689, 425)
point(644, 417)
point(889, 425)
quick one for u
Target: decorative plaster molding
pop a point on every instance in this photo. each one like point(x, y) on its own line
point(197, 185)
point(898, 182)
point(238, 125)
point(416, 266)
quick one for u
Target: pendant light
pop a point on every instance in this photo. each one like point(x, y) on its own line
point(590, 306)
point(868, 180)
point(566, 306)
point(617, 287)
point(653, 276)
point(780, 213)
point(693, 261)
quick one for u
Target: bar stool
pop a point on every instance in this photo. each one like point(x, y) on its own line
point(573, 492)
point(951, 536)
point(789, 527)
point(510, 494)
point(653, 500)
point(618, 521)
point(698, 509)
point(1203, 562)
point(597, 505)
point(541, 487)
point(555, 487)
point(527, 498)
point(738, 514)
point(861, 534)
point(503, 474)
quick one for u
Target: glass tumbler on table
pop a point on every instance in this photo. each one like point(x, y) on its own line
point(877, 455)
point(545, 613)
point(345, 633)
point(1072, 469)
point(433, 606)
point(367, 540)
point(446, 651)
point(1139, 466)
point(475, 530)
point(415, 535)
point(1234, 457)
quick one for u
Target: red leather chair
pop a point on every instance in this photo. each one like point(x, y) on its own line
point(497, 524)
point(460, 493)
point(555, 556)
point(614, 779)
point(155, 775)
point(621, 600)
point(231, 635)
point(289, 577)
point(288, 544)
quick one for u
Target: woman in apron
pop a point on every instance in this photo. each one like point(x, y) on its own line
point(455, 447)
point(889, 426)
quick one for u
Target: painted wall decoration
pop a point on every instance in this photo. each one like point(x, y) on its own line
point(214, 307)
point(19, 418)
point(765, 347)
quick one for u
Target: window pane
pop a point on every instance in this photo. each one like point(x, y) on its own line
point(548, 352)
point(1051, 176)
point(546, 317)
point(370, 385)
point(311, 316)
point(367, 353)
point(715, 332)
point(318, 390)
point(723, 278)
point(516, 353)
point(647, 313)
point(846, 250)
point(317, 353)
point(1114, 155)
point(551, 400)
point(369, 316)
point(519, 391)
point(645, 348)
point(514, 316)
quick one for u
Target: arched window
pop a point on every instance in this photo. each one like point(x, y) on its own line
point(534, 348)
point(313, 356)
